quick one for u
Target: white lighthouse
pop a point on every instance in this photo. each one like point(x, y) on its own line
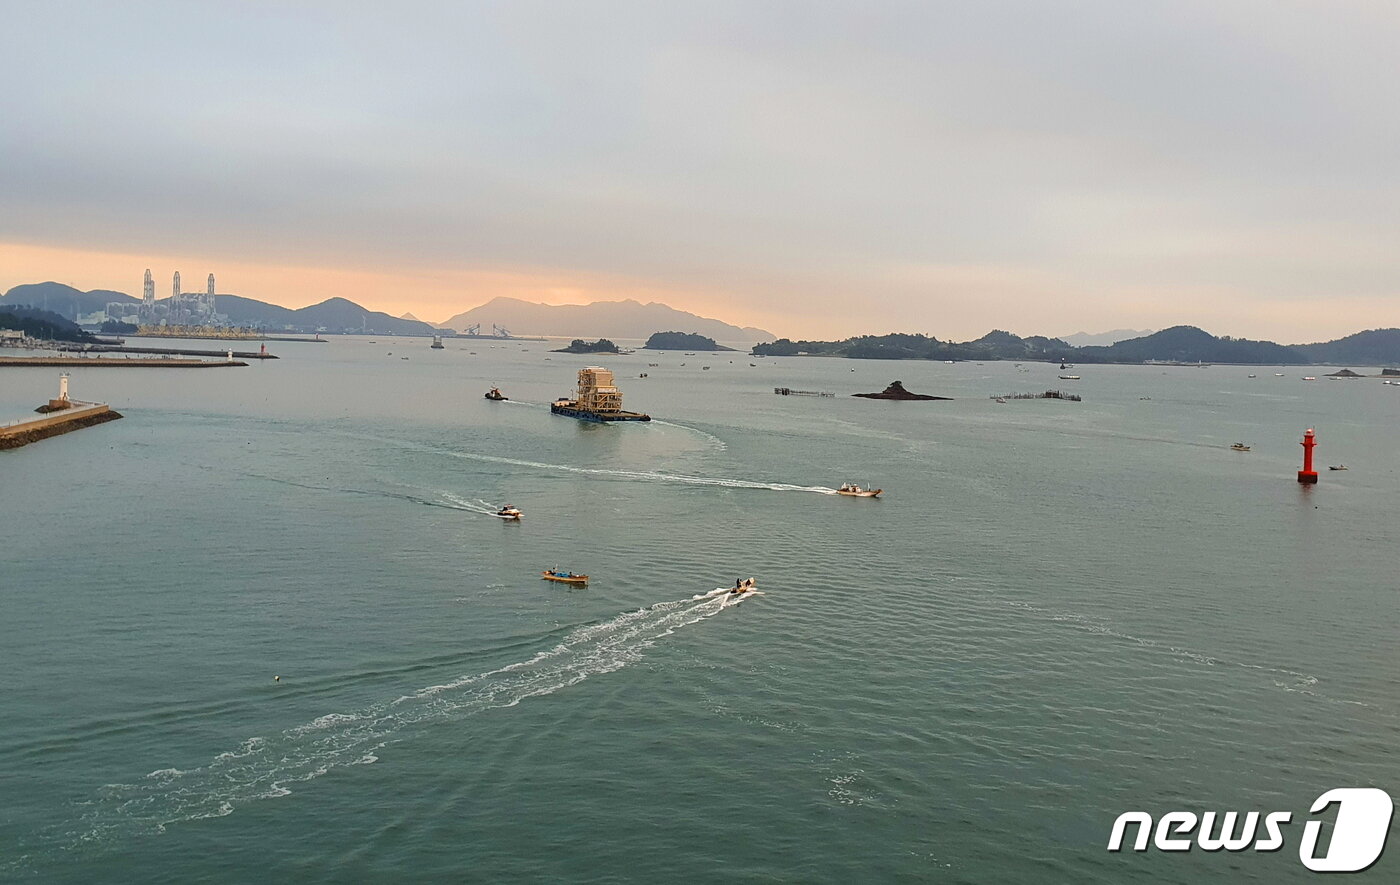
point(63, 387)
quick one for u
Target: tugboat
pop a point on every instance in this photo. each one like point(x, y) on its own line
point(495, 394)
point(851, 490)
point(598, 399)
point(554, 574)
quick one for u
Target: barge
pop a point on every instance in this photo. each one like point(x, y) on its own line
point(598, 399)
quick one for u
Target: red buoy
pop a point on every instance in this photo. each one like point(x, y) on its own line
point(1307, 474)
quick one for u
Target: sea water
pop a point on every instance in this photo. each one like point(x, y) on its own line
point(1055, 613)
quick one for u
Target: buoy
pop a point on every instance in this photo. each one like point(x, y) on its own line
point(1307, 475)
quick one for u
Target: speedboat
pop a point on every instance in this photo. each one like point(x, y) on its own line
point(508, 512)
point(563, 577)
point(495, 394)
point(1339, 467)
point(851, 490)
point(743, 586)
point(1001, 399)
point(1240, 447)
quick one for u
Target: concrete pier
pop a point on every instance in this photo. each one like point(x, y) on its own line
point(101, 363)
point(81, 415)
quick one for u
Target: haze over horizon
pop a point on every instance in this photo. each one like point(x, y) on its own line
point(819, 172)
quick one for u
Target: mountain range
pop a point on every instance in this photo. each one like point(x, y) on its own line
point(614, 319)
point(1185, 344)
point(331, 315)
point(1086, 339)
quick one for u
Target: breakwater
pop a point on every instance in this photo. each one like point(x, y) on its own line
point(173, 351)
point(22, 433)
point(98, 362)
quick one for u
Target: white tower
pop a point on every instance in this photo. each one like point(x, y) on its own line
point(176, 288)
point(63, 387)
point(148, 291)
point(209, 297)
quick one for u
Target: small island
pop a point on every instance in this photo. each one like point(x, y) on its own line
point(682, 341)
point(578, 345)
point(896, 391)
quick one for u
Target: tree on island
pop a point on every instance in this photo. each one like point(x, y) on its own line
point(682, 341)
point(578, 345)
point(42, 324)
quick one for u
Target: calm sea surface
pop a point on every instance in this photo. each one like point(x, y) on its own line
point(1057, 613)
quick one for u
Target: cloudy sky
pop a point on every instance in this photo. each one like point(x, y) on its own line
point(819, 169)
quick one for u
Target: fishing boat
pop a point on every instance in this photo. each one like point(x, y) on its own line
point(495, 394)
point(509, 512)
point(1240, 447)
point(437, 343)
point(561, 577)
point(851, 490)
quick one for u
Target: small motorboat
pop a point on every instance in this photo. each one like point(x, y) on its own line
point(1069, 377)
point(1339, 467)
point(1240, 447)
point(741, 587)
point(495, 394)
point(1001, 399)
point(1309, 378)
point(563, 577)
point(851, 490)
point(509, 512)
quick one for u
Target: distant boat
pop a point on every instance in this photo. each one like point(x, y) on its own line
point(437, 343)
point(509, 512)
point(1001, 399)
point(1253, 376)
point(555, 574)
point(1309, 378)
point(495, 394)
point(1069, 377)
point(1339, 467)
point(1240, 447)
point(1278, 374)
point(851, 490)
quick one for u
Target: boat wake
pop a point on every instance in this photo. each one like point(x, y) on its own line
point(644, 475)
point(447, 500)
point(268, 767)
point(713, 440)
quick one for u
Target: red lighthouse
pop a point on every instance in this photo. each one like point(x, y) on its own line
point(1307, 474)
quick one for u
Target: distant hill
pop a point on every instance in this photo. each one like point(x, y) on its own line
point(39, 323)
point(65, 301)
point(1186, 344)
point(1377, 347)
point(1189, 344)
point(331, 315)
point(616, 319)
point(1085, 339)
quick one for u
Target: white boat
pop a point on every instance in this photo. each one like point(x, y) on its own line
point(508, 512)
point(1069, 377)
point(1309, 378)
point(1240, 447)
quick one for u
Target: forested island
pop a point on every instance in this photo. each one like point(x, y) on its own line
point(578, 345)
point(682, 341)
point(1179, 344)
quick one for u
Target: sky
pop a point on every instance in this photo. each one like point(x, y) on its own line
point(818, 169)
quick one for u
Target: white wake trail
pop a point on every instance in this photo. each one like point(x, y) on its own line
point(265, 767)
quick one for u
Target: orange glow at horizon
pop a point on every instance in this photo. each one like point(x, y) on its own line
point(431, 295)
